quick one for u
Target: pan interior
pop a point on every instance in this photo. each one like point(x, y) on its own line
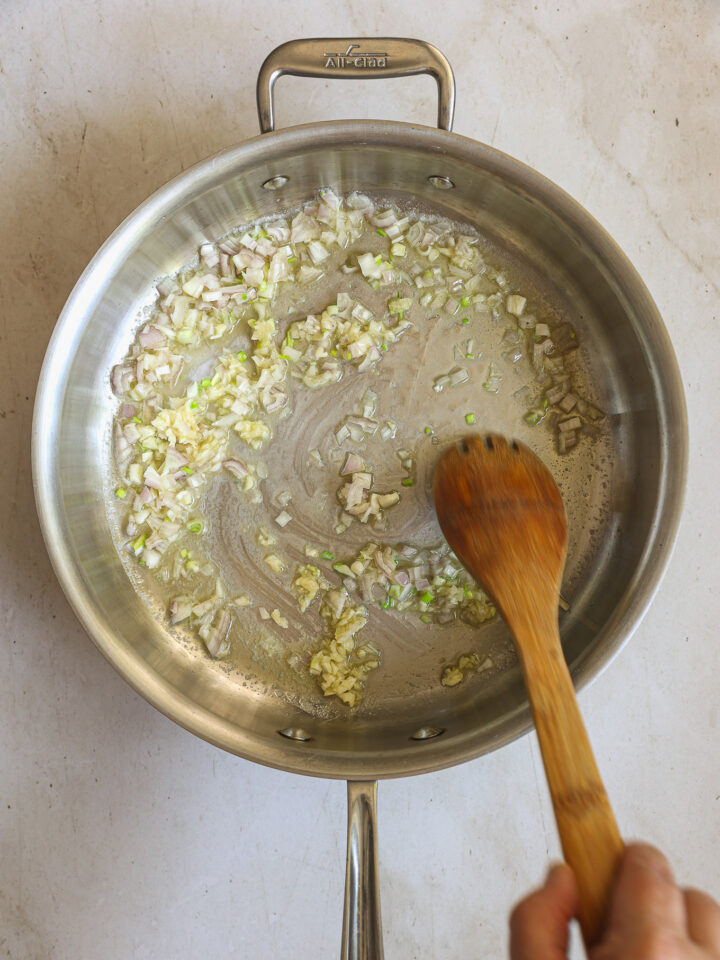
point(256, 703)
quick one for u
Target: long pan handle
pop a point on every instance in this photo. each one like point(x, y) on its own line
point(362, 928)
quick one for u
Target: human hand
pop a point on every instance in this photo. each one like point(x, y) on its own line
point(650, 917)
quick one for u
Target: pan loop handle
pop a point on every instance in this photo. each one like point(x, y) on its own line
point(350, 59)
point(362, 929)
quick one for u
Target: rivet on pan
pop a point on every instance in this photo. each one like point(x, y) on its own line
point(295, 733)
point(442, 183)
point(274, 183)
point(427, 733)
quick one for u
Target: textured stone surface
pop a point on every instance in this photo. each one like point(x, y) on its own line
point(120, 834)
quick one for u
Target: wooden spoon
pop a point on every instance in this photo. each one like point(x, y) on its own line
point(503, 515)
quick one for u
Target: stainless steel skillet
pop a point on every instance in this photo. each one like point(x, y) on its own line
point(620, 550)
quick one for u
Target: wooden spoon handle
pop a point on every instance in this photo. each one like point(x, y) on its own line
point(590, 838)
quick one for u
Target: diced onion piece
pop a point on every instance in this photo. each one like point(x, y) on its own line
point(265, 538)
point(352, 464)
point(538, 357)
point(362, 313)
point(568, 402)
point(369, 403)
point(458, 376)
point(566, 441)
point(217, 639)
point(193, 287)
point(236, 467)
point(574, 423)
point(369, 266)
point(492, 384)
point(388, 429)
point(274, 562)
point(279, 619)
point(364, 480)
point(318, 252)
point(306, 274)
point(515, 304)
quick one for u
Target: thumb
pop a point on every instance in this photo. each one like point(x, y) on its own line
point(539, 923)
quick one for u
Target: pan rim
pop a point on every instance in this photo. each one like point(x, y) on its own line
point(180, 708)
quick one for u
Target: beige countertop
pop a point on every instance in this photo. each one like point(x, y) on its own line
point(120, 834)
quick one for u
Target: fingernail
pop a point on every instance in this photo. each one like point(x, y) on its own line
point(555, 871)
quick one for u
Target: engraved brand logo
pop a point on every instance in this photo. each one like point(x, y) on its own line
point(354, 58)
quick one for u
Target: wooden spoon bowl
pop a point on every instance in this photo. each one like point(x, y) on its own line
point(503, 515)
